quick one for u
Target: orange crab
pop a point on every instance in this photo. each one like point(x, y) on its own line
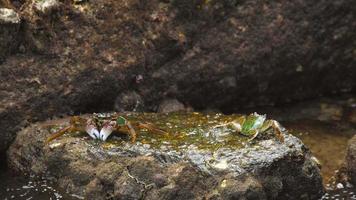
point(108, 124)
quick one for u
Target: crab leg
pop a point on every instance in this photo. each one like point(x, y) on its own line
point(128, 127)
point(152, 128)
point(278, 130)
point(255, 134)
point(117, 125)
point(236, 124)
point(276, 127)
point(59, 133)
point(110, 126)
point(131, 131)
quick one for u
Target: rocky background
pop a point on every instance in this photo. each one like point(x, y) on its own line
point(62, 57)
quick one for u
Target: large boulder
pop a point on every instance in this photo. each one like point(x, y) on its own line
point(194, 161)
point(206, 54)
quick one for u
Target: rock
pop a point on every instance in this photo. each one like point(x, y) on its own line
point(351, 159)
point(41, 19)
point(129, 101)
point(9, 31)
point(170, 105)
point(79, 1)
point(352, 115)
point(46, 7)
point(189, 163)
point(9, 16)
point(208, 54)
point(340, 186)
point(329, 112)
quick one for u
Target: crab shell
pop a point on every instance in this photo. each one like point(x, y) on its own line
point(252, 122)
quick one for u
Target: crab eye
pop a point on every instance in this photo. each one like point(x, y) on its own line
point(121, 121)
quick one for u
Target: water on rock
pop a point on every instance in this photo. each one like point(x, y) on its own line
point(196, 159)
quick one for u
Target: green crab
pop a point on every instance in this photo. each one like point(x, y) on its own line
point(254, 124)
point(108, 124)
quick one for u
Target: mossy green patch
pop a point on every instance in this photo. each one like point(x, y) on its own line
point(185, 130)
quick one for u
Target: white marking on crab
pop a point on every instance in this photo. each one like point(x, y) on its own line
point(104, 133)
point(93, 132)
point(107, 129)
point(259, 120)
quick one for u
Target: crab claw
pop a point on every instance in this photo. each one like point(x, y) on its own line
point(91, 129)
point(108, 128)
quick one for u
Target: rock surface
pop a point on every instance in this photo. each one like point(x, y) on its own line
point(47, 7)
point(177, 167)
point(170, 105)
point(351, 160)
point(206, 54)
point(9, 31)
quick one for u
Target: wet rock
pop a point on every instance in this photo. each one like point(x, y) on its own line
point(41, 18)
point(175, 166)
point(208, 54)
point(244, 188)
point(129, 101)
point(170, 105)
point(47, 7)
point(9, 16)
point(352, 115)
point(79, 1)
point(351, 159)
point(329, 112)
point(9, 31)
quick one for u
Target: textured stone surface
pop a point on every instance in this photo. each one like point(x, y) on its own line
point(9, 31)
point(9, 16)
point(351, 159)
point(206, 54)
point(264, 169)
point(47, 7)
point(170, 105)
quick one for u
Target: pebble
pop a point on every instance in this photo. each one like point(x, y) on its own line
point(340, 186)
point(9, 16)
point(349, 185)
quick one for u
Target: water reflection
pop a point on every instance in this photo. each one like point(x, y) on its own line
point(30, 188)
point(327, 141)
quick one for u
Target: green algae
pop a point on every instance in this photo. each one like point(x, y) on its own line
point(203, 140)
point(185, 129)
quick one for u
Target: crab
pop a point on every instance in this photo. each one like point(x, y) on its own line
point(108, 125)
point(254, 124)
